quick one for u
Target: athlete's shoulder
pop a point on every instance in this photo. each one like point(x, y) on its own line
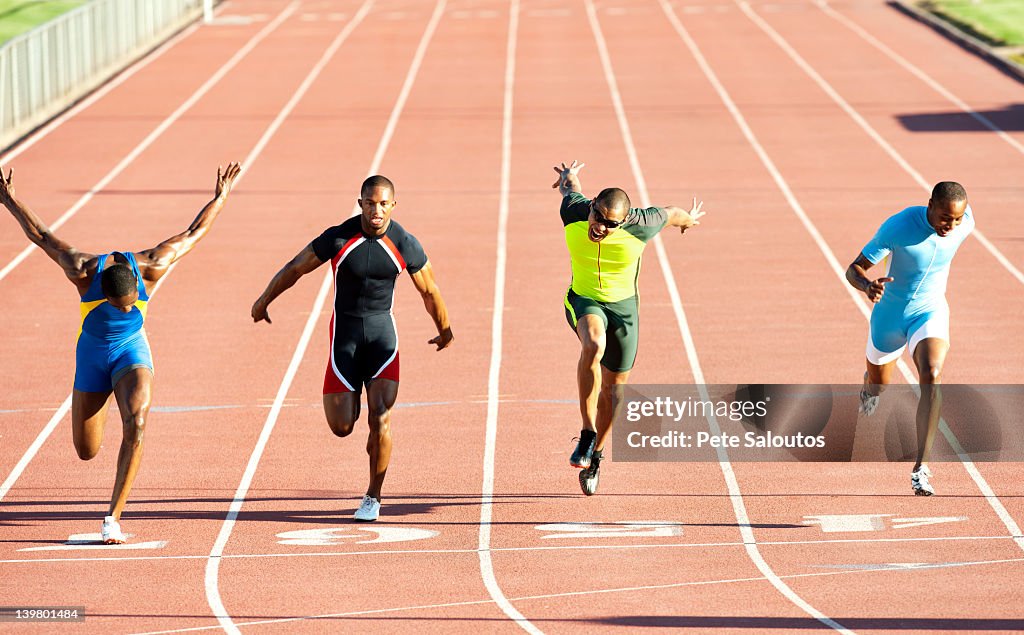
point(408, 246)
point(575, 208)
point(332, 239)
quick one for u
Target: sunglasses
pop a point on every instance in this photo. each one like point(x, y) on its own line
point(609, 224)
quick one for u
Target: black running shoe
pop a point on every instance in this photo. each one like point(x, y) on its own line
point(584, 449)
point(589, 477)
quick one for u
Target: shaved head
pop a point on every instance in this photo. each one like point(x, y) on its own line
point(612, 199)
point(118, 280)
point(375, 182)
point(948, 192)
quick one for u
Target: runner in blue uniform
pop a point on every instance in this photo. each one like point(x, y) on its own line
point(112, 355)
point(367, 254)
point(910, 304)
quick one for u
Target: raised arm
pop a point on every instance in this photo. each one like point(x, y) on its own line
point(304, 262)
point(568, 178)
point(857, 275)
point(155, 262)
point(682, 218)
point(74, 263)
point(434, 303)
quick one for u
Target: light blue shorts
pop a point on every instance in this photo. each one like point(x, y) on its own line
point(895, 325)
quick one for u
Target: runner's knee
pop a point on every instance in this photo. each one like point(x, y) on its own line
point(930, 372)
point(86, 451)
point(134, 427)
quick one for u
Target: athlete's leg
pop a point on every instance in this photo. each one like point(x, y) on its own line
point(591, 330)
point(88, 417)
point(133, 392)
point(877, 376)
point(929, 357)
point(608, 402)
point(380, 399)
point(342, 411)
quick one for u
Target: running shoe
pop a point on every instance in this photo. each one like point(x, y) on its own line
point(111, 532)
point(584, 449)
point(868, 403)
point(919, 481)
point(368, 510)
point(589, 476)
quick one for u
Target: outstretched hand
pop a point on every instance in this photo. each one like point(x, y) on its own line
point(564, 172)
point(876, 289)
point(443, 340)
point(6, 187)
point(226, 178)
point(695, 215)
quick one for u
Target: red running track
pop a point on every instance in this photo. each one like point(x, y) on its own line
point(786, 118)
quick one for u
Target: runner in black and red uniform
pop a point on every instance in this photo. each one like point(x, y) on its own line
point(367, 254)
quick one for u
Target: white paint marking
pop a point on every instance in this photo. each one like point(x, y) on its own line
point(617, 529)
point(835, 523)
point(331, 536)
point(497, 330)
point(92, 542)
point(904, 523)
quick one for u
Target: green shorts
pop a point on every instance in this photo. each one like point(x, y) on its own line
point(622, 327)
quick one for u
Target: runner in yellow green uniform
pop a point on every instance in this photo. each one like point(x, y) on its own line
point(606, 238)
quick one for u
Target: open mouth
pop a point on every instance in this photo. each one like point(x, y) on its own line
point(594, 236)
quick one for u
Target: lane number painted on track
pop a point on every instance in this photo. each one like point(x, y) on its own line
point(329, 536)
point(92, 541)
point(617, 529)
point(836, 523)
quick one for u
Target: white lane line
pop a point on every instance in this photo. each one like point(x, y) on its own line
point(100, 92)
point(417, 552)
point(993, 501)
point(867, 128)
point(157, 132)
point(592, 592)
point(739, 508)
point(497, 330)
point(213, 563)
point(920, 74)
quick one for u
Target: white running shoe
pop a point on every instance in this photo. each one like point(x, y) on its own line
point(368, 510)
point(919, 481)
point(111, 532)
point(868, 403)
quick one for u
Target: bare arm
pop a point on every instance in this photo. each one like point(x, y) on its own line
point(682, 218)
point(304, 262)
point(434, 303)
point(568, 178)
point(857, 275)
point(155, 262)
point(74, 263)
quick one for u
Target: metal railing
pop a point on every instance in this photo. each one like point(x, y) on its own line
point(47, 69)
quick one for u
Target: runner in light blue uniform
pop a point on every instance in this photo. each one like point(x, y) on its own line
point(914, 304)
point(918, 245)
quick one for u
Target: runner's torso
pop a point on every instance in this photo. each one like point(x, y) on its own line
point(103, 321)
point(366, 267)
point(607, 271)
point(918, 258)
